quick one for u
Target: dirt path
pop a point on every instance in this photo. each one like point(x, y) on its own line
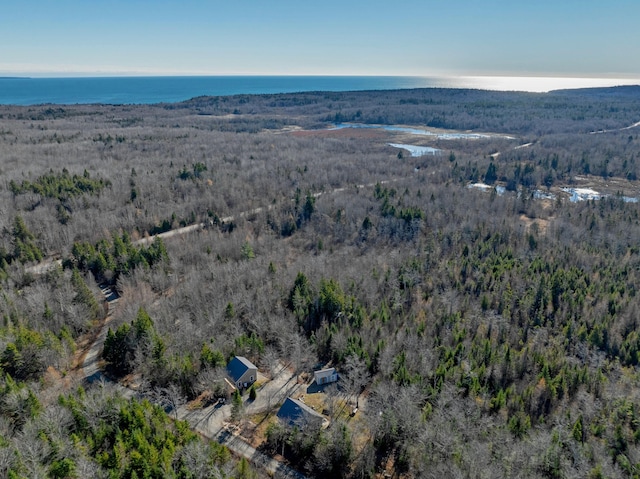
point(48, 264)
point(44, 266)
point(91, 371)
point(635, 125)
point(211, 422)
point(242, 448)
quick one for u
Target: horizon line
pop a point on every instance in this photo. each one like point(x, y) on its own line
point(79, 74)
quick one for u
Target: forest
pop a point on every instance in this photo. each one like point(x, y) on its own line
point(482, 313)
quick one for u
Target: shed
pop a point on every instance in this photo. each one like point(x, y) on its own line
point(294, 412)
point(243, 373)
point(325, 376)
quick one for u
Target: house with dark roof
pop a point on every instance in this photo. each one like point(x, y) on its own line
point(242, 372)
point(294, 412)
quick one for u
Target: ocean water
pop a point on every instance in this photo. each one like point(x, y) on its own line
point(145, 90)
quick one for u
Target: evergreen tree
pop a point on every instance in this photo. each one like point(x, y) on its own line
point(491, 175)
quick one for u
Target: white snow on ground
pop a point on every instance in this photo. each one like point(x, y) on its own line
point(575, 194)
point(419, 131)
point(581, 194)
point(415, 150)
point(584, 194)
point(541, 195)
point(479, 186)
point(484, 187)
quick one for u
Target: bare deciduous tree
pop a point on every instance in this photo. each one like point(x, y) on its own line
point(355, 376)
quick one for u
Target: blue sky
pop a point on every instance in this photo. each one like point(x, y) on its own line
point(428, 37)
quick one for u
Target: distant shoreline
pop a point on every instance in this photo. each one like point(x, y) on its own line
point(174, 89)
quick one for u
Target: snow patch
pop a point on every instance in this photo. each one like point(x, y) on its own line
point(419, 131)
point(415, 150)
point(581, 194)
point(500, 190)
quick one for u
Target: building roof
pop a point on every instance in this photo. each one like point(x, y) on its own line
point(297, 413)
point(325, 372)
point(238, 366)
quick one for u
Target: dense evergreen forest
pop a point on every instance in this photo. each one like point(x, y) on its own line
point(484, 322)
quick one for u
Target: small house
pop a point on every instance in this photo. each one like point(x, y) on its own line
point(242, 372)
point(294, 412)
point(325, 376)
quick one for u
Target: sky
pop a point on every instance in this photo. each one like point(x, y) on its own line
point(573, 38)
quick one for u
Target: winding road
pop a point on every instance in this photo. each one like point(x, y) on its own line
point(597, 132)
point(211, 422)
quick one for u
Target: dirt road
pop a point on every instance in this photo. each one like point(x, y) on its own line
point(211, 422)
